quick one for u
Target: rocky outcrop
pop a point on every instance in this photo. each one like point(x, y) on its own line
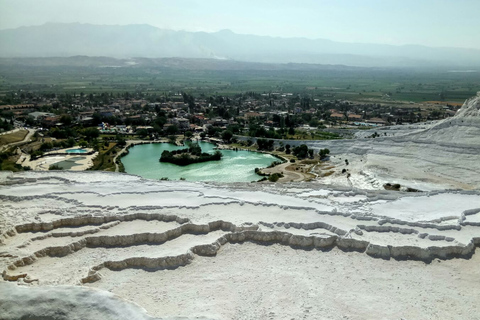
point(65, 302)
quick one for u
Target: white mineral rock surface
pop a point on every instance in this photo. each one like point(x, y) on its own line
point(239, 251)
point(92, 245)
point(438, 155)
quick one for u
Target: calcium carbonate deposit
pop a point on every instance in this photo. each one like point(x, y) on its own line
point(91, 245)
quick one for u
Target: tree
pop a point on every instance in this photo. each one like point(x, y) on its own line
point(70, 142)
point(120, 141)
point(30, 121)
point(91, 133)
point(66, 119)
point(300, 151)
point(160, 120)
point(188, 134)
point(172, 139)
point(323, 153)
point(264, 144)
point(203, 135)
point(171, 130)
point(142, 133)
point(46, 146)
point(287, 149)
point(227, 135)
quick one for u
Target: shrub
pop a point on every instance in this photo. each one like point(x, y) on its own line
point(323, 153)
point(301, 151)
point(274, 177)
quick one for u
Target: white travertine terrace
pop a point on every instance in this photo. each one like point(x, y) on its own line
point(434, 156)
point(90, 228)
point(190, 250)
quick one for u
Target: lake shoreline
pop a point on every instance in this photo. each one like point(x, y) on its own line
point(230, 170)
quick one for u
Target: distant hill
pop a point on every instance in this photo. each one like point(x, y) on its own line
point(167, 63)
point(144, 41)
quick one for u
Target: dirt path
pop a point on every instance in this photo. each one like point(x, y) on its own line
point(288, 174)
point(119, 154)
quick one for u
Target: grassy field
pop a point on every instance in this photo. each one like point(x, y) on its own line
point(104, 160)
point(313, 135)
point(13, 137)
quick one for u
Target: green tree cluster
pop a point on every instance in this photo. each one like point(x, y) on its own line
point(264, 144)
point(323, 153)
point(300, 151)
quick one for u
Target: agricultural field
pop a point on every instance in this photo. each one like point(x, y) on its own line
point(325, 82)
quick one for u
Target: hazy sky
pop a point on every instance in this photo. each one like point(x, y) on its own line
point(447, 23)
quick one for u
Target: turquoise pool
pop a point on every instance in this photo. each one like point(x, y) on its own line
point(77, 150)
point(235, 166)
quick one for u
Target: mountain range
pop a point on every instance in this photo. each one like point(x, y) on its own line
point(145, 41)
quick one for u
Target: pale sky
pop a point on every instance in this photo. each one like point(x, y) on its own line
point(438, 23)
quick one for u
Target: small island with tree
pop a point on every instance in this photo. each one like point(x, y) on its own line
point(192, 154)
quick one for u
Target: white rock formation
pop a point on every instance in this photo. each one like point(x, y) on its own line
point(110, 231)
point(439, 155)
point(254, 251)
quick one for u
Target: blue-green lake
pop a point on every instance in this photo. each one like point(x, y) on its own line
point(235, 166)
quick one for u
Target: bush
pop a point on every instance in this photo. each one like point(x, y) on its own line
point(323, 153)
point(274, 177)
point(274, 163)
point(46, 146)
point(36, 154)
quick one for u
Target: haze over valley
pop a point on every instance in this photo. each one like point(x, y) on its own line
point(128, 41)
